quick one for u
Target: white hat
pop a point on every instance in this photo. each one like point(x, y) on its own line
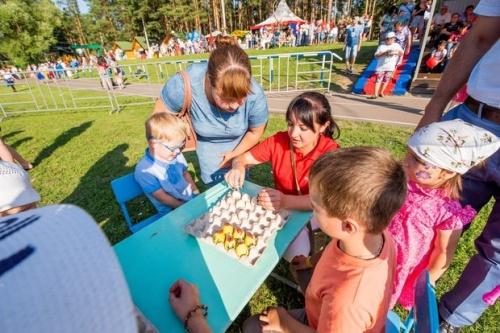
point(453, 145)
point(390, 34)
point(16, 189)
point(62, 275)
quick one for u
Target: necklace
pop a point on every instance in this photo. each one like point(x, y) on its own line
point(365, 257)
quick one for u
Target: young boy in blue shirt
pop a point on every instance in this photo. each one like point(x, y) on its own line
point(162, 172)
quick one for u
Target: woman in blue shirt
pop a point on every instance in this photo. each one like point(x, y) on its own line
point(229, 109)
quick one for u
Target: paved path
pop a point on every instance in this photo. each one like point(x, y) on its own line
point(400, 110)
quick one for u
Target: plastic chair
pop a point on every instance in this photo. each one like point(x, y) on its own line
point(424, 316)
point(125, 189)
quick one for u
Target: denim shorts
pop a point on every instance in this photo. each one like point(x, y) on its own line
point(351, 52)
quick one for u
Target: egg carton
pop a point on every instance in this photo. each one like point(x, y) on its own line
point(238, 226)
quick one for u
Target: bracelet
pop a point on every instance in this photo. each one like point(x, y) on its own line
point(190, 314)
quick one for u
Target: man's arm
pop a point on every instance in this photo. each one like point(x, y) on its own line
point(485, 34)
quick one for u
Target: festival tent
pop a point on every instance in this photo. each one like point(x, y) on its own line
point(281, 16)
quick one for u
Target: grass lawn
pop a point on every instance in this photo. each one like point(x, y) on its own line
point(78, 154)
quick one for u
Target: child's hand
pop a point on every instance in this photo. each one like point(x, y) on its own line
point(271, 320)
point(271, 199)
point(183, 297)
point(235, 177)
point(301, 262)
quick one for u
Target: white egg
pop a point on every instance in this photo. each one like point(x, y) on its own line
point(245, 198)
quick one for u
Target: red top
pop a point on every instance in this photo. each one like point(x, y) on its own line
point(276, 149)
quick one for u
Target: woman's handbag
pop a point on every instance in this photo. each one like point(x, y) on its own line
point(185, 113)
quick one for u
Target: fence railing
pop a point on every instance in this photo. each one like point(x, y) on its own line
point(83, 89)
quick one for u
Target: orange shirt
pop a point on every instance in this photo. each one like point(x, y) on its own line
point(347, 294)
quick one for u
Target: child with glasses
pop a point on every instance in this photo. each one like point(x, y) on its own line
point(162, 172)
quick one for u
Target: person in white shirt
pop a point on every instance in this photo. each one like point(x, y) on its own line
point(440, 19)
point(387, 59)
point(477, 63)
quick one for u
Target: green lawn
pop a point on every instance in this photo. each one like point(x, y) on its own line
point(78, 154)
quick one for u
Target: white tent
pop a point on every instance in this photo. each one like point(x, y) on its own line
point(281, 16)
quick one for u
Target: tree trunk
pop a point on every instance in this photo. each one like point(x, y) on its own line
point(215, 8)
point(197, 22)
point(209, 16)
point(329, 12)
point(240, 12)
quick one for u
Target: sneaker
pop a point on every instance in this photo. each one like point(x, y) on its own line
point(352, 71)
point(445, 327)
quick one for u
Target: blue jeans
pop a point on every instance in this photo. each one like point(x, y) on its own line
point(463, 305)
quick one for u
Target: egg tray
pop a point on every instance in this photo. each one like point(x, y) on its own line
point(238, 226)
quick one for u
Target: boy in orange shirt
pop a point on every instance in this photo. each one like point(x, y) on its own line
point(354, 193)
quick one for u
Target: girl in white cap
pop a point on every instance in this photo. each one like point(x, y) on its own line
point(387, 55)
point(428, 226)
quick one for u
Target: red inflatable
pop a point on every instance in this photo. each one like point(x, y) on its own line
point(431, 62)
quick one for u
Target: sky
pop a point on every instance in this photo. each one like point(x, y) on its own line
point(84, 8)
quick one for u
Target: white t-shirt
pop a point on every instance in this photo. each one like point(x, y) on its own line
point(387, 63)
point(441, 19)
point(439, 55)
point(484, 81)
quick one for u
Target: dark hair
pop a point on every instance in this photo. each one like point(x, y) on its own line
point(392, 10)
point(313, 107)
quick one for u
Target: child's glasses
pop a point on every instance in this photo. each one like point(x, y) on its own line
point(174, 149)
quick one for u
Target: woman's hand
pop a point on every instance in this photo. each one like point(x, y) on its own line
point(235, 177)
point(271, 199)
point(183, 297)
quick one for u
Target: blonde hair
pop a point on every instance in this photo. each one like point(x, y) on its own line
point(453, 186)
point(229, 71)
point(363, 183)
point(165, 126)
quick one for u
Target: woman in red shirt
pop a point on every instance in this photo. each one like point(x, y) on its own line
point(310, 134)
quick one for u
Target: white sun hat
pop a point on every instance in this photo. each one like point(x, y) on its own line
point(453, 145)
point(15, 187)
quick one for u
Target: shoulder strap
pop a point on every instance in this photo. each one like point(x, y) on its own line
point(294, 169)
point(186, 105)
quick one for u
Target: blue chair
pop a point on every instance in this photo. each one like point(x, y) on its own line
point(424, 316)
point(125, 189)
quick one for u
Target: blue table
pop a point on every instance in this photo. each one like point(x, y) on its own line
point(159, 254)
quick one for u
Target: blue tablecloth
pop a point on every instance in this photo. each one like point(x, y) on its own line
point(156, 256)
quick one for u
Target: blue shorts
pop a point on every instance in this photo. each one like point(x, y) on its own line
point(351, 52)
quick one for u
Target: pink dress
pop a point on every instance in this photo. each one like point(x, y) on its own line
point(413, 228)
